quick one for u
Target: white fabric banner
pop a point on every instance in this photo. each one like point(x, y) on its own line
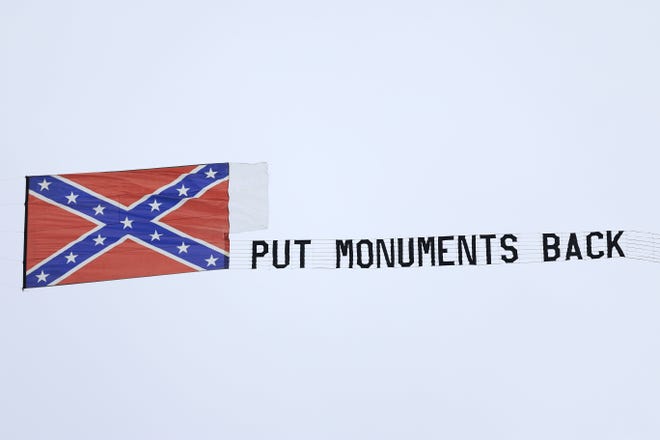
point(442, 250)
point(248, 197)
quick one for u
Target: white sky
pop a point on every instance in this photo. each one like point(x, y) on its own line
point(377, 118)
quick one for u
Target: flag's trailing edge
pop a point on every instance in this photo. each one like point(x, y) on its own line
point(125, 224)
point(248, 201)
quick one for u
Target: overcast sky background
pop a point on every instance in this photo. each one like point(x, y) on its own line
point(377, 118)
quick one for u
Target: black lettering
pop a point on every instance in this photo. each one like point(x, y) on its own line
point(258, 253)
point(302, 244)
point(547, 247)
point(426, 246)
point(573, 249)
point(381, 250)
point(614, 243)
point(370, 249)
point(590, 246)
point(344, 248)
point(470, 254)
point(488, 238)
point(442, 250)
point(287, 254)
point(509, 248)
point(411, 252)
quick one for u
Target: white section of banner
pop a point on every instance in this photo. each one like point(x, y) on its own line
point(248, 196)
point(438, 251)
point(641, 245)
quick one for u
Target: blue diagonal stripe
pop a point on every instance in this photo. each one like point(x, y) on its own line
point(118, 223)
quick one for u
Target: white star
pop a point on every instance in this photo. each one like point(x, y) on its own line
point(71, 258)
point(183, 191)
point(183, 248)
point(44, 185)
point(155, 236)
point(98, 209)
point(155, 206)
point(41, 277)
point(127, 223)
point(210, 261)
point(71, 198)
point(99, 240)
point(210, 174)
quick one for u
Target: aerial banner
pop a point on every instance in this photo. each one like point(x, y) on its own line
point(125, 224)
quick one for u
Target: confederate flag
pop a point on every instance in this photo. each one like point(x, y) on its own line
point(124, 224)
